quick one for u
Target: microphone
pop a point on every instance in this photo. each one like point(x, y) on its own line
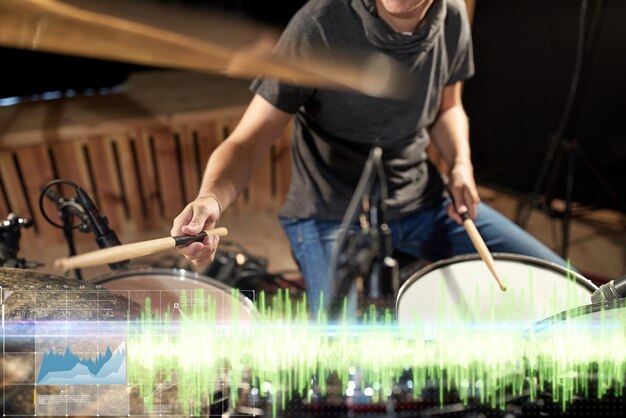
point(67, 208)
point(99, 225)
point(615, 289)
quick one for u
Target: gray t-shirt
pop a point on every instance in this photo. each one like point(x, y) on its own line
point(335, 130)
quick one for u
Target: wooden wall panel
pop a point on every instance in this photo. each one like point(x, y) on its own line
point(141, 175)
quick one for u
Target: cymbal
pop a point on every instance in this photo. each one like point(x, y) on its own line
point(102, 31)
point(34, 295)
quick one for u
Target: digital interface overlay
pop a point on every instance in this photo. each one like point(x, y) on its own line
point(203, 353)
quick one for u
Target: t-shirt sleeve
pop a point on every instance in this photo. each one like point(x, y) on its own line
point(297, 42)
point(462, 59)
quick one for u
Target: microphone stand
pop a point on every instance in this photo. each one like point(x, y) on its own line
point(383, 278)
point(67, 218)
point(99, 225)
point(367, 253)
point(91, 219)
point(68, 209)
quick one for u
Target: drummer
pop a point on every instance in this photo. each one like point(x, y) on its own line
point(334, 131)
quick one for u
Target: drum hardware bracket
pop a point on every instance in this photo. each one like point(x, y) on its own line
point(10, 235)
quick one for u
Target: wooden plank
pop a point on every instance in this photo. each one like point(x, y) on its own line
point(146, 172)
point(260, 189)
point(14, 189)
point(168, 169)
point(37, 172)
point(84, 169)
point(209, 135)
point(283, 165)
point(223, 127)
point(69, 162)
point(190, 163)
point(107, 182)
point(4, 199)
point(471, 8)
point(208, 141)
point(129, 182)
point(75, 167)
point(435, 157)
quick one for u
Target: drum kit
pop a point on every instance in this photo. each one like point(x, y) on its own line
point(450, 289)
point(445, 291)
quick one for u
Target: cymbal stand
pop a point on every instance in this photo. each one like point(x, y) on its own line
point(566, 147)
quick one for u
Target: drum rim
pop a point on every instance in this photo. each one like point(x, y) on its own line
point(177, 272)
point(497, 256)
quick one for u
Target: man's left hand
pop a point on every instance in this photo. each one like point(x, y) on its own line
point(462, 189)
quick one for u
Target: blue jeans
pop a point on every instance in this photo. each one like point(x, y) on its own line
point(427, 233)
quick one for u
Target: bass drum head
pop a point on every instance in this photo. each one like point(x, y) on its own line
point(164, 288)
point(463, 289)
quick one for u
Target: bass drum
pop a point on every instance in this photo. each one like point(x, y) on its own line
point(163, 287)
point(462, 289)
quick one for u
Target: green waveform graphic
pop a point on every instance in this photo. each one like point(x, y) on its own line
point(283, 354)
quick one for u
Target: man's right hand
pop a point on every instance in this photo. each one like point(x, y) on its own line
point(197, 216)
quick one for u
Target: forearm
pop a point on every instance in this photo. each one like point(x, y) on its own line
point(228, 171)
point(450, 134)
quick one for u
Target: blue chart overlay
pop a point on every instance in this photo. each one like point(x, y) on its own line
point(68, 368)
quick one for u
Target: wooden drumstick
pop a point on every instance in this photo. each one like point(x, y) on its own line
point(481, 248)
point(130, 251)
